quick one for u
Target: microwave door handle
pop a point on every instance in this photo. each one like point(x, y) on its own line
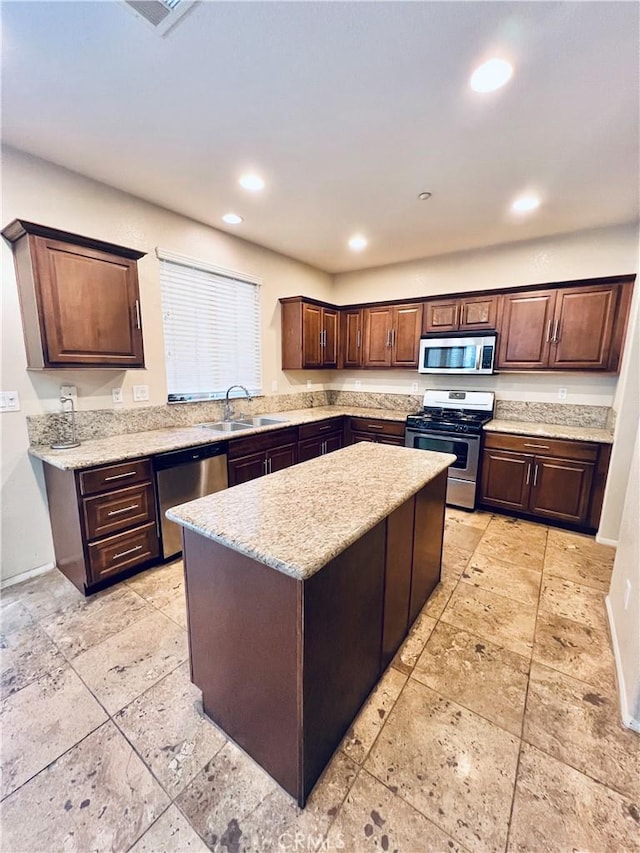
point(478, 356)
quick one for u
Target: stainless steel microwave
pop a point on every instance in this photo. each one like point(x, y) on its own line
point(460, 354)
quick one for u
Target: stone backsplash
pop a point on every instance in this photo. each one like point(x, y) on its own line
point(102, 423)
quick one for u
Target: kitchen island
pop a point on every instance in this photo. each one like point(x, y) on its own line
point(300, 588)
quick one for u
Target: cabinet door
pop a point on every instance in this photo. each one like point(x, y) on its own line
point(525, 329)
point(506, 479)
point(352, 338)
point(583, 328)
point(378, 324)
point(406, 335)
point(282, 457)
point(309, 449)
point(330, 337)
point(333, 442)
point(441, 315)
point(90, 307)
point(561, 489)
point(311, 335)
point(478, 313)
point(246, 468)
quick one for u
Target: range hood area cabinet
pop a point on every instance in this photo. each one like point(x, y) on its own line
point(461, 315)
point(309, 333)
point(79, 299)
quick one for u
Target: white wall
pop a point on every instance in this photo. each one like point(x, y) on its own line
point(625, 587)
point(38, 191)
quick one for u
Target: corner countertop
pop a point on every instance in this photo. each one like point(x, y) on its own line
point(297, 520)
point(574, 433)
point(118, 448)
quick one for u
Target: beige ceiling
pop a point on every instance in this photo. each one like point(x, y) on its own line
point(347, 109)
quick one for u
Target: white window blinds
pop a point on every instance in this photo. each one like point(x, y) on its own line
point(211, 321)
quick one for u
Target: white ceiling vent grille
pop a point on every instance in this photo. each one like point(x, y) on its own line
point(161, 15)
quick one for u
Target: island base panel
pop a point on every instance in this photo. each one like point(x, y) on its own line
point(244, 639)
point(427, 543)
point(343, 606)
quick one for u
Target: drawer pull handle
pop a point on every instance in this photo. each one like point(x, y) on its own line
point(124, 509)
point(126, 553)
point(327, 426)
point(120, 476)
point(537, 446)
point(374, 426)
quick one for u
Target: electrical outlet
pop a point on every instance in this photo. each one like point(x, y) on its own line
point(414, 387)
point(562, 393)
point(116, 395)
point(274, 385)
point(358, 384)
point(140, 392)
point(69, 391)
point(308, 384)
point(9, 401)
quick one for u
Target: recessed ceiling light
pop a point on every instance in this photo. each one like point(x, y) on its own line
point(525, 203)
point(491, 75)
point(357, 243)
point(424, 196)
point(252, 182)
point(232, 219)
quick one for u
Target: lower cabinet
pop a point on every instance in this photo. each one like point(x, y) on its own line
point(373, 429)
point(552, 479)
point(103, 521)
point(258, 455)
point(320, 438)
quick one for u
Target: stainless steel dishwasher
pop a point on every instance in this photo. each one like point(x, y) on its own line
point(184, 475)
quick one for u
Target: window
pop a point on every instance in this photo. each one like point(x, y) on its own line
point(211, 321)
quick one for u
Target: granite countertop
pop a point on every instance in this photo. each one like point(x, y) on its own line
point(117, 448)
point(575, 433)
point(297, 520)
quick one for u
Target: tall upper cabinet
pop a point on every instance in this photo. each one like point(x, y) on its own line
point(309, 333)
point(79, 299)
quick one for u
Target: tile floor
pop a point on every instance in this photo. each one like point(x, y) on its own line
point(496, 727)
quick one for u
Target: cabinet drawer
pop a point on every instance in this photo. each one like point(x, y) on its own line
point(564, 448)
point(115, 476)
point(377, 426)
point(265, 441)
point(123, 551)
point(321, 428)
point(114, 511)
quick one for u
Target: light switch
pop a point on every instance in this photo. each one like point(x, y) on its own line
point(116, 395)
point(140, 392)
point(9, 401)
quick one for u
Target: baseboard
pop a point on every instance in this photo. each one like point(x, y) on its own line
point(25, 576)
point(627, 719)
point(601, 540)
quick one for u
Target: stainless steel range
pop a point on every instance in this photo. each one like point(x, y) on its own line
point(451, 422)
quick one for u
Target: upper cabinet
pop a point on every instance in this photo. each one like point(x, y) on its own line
point(392, 335)
point(568, 328)
point(309, 334)
point(461, 315)
point(79, 299)
point(351, 338)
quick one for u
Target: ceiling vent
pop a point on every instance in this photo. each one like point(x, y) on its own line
point(160, 15)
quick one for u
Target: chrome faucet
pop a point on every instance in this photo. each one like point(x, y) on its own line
point(227, 412)
point(73, 441)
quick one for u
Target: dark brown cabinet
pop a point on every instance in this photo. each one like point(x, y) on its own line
point(79, 299)
point(351, 338)
point(461, 315)
point(320, 438)
point(103, 521)
point(392, 335)
point(568, 328)
point(258, 455)
point(378, 430)
point(547, 478)
point(309, 334)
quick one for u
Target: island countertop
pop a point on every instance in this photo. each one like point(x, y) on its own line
point(297, 520)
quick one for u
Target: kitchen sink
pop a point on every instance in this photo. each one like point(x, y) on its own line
point(226, 426)
point(245, 423)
